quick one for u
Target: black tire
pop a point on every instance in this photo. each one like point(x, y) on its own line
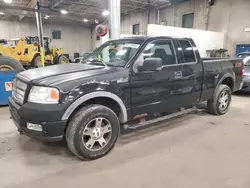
point(10, 64)
point(78, 123)
point(37, 62)
point(62, 60)
point(213, 104)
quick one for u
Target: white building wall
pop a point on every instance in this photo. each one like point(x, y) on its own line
point(143, 18)
point(227, 16)
point(204, 40)
point(73, 38)
point(95, 43)
point(172, 14)
point(232, 18)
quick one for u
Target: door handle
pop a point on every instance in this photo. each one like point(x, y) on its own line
point(178, 74)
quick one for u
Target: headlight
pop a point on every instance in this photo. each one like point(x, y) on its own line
point(44, 95)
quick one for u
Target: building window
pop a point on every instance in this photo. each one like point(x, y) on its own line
point(136, 28)
point(188, 20)
point(181, 1)
point(56, 34)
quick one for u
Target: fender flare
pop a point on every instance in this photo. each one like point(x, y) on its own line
point(78, 102)
point(227, 75)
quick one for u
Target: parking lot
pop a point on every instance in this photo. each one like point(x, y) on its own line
point(196, 150)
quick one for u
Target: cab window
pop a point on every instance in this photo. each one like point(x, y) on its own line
point(159, 49)
point(188, 51)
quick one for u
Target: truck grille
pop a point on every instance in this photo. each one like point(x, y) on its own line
point(18, 91)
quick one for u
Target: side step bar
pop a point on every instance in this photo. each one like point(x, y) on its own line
point(156, 120)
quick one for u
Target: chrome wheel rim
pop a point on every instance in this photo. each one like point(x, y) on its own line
point(97, 134)
point(223, 100)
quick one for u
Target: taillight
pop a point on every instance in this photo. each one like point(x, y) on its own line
point(242, 70)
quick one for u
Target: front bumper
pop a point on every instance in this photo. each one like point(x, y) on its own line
point(51, 130)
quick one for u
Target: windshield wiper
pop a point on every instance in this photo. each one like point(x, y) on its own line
point(111, 65)
point(98, 61)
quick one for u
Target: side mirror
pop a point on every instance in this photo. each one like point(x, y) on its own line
point(151, 64)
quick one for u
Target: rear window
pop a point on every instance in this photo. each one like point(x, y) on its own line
point(188, 51)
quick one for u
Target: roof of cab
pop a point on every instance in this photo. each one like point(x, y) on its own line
point(151, 37)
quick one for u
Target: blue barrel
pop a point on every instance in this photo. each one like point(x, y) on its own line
point(6, 82)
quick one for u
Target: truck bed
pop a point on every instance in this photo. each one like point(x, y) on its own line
point(216, 68)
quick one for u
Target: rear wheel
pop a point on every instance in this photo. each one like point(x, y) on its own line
point(10, 64)
point(221, 102)
point(92, 132)
point(62, 60)
point(37, 62)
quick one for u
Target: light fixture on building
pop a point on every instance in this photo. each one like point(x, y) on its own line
point(1, 13)
point(64, 11)
point(7, 1)
point(105, 13)
point(85, 20)
point(96, 21)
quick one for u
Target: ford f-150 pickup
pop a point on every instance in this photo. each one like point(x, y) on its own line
point(87, 102)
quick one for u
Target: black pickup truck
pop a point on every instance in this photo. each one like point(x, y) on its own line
point(122, 80)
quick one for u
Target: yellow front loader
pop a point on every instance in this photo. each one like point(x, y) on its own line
point(52, 55)
point(13, 51)
point(28, 52)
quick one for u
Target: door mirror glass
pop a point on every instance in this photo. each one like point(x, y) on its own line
point(151, 64)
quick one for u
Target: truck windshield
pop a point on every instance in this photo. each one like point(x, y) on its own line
point(115, 53)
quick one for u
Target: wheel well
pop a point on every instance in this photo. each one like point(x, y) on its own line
point(229, 82)
point(105, 101)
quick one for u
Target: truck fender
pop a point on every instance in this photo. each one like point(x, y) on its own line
point(227, 75)
point(78, 102)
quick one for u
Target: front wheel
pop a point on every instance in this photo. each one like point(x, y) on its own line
point(10, 64)
point(92, 132)
point(37, 62)
point(62, 60)
point(219, 105)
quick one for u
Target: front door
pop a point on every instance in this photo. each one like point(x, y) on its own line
point(158, 91)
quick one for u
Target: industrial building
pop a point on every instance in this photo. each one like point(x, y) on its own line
point(124, 93)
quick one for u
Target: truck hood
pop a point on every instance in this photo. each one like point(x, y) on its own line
point(59, 75)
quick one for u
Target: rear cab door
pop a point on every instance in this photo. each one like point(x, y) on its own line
point(192, 72)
